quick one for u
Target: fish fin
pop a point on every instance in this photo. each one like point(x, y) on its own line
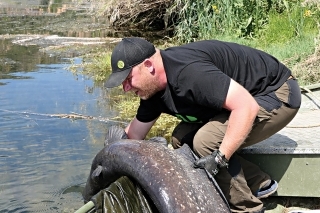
point(160, 140)
point(115, 133)
point(97, 172)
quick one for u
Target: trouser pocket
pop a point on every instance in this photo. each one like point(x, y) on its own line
point(289, 93)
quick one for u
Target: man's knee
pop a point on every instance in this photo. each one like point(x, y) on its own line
point(205, 142)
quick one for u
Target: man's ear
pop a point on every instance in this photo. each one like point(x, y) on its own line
point(149, 65)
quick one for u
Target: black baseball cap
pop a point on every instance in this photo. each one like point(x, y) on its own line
point(127, 54)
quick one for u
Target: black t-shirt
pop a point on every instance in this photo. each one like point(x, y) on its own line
point(198, 79)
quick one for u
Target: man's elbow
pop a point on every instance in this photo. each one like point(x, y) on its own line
point(255, 108)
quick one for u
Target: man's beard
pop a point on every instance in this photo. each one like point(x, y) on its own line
point(149, 89)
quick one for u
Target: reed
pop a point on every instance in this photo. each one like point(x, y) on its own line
point(209, 18)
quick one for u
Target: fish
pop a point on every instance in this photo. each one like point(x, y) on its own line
point(167, 176)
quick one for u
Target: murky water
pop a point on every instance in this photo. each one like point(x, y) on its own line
point(44, 159)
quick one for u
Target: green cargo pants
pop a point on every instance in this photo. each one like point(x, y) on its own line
point(242, 178)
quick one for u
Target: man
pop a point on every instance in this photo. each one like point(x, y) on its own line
point(227, 95)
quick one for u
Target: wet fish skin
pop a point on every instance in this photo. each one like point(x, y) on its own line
point(96, 181)
point(166, 175)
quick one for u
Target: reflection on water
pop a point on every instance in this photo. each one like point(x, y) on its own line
point(45, 160)
point(60, 17)
point(17, 58)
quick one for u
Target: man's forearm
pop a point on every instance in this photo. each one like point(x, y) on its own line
point(138, 130)
point(239, 126)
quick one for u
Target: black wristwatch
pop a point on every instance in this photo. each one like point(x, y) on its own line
point(221, 160)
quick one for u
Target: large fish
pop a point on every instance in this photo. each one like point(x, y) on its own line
point(167, 176)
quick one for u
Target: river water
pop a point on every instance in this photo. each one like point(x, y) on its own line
point(45, 158)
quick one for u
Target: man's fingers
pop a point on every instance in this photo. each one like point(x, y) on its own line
point(199, 163)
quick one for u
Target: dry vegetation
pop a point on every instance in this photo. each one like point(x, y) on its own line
point(139, 13)
point(310, 66)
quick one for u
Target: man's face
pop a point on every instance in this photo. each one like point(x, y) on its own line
point(141, 81)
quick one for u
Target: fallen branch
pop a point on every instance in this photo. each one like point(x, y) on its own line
point(72, 115)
